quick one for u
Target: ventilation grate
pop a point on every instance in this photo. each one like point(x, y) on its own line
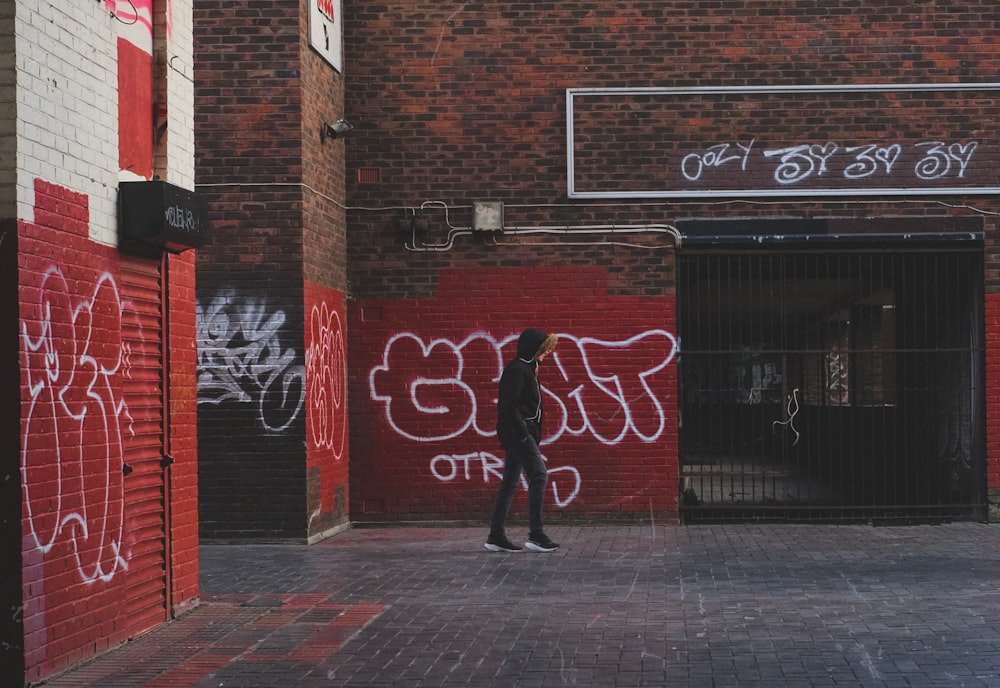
point(369, 175)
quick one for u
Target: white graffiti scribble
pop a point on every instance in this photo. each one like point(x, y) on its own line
point(693, 164)
point(241, 359)
point(72, 425)
point(451, 467)
point(800, 162)
point(797, 163)
point(418, 382)
point(836, 368)
point(326, 379)
point(939, 157)
point(869, 158)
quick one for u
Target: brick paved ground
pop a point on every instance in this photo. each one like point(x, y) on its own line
point(696, 606)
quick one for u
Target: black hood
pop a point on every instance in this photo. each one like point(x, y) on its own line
point(534, 341)
point(529, 342)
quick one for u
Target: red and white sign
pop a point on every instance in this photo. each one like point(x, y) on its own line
point(326, 31)
point(327, 9)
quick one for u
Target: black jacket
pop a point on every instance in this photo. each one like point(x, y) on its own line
point(519, 401)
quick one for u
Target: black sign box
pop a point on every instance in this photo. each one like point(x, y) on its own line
point(156, 213)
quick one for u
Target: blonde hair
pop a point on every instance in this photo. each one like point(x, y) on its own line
point(548, 346)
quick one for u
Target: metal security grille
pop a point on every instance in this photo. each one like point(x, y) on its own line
point(145, 504)
point(842, 385)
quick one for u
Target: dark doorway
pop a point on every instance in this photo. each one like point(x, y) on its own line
point(828, 385)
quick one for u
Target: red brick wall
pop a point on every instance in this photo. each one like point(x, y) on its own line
point(326, 409)
point(423, 396)
point(182, 429)
point(74, 595)
point(456, 102)
point(74, 424)
point(73, 496)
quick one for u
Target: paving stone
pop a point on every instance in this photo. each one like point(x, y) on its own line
point(710, 605)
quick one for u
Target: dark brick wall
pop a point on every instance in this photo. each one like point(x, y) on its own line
point(248, 128)
point(455, 102)
point(458, 101)
point(11, 595)
point(276, 193)
point(248, 124)
point(325, 250)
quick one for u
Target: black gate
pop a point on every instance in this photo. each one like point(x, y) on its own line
point(840, 385)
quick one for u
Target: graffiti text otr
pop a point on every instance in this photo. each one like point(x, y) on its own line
point(564, 481)
point(440, 389)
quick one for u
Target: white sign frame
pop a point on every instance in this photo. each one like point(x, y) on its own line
point(695, 91)
point(326, 33)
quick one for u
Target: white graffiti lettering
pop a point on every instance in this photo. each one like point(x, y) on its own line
point(800, 162)
point(836, 365)
point(437, 390)
point(869, 158)
point(797, 163)
point(418, 381)
point(694, 164)
point(241, 359)
point(326, 362)
point(451, 467)
point(72, 425)
point(938, 160)
point(181, 218)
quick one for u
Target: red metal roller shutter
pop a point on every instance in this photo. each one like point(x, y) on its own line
point(145, 515)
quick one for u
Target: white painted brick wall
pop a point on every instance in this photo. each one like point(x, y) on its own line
point(67, 103)
point(180, 95)
point(8, 113)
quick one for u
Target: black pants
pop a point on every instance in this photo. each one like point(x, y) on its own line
point(521, 456)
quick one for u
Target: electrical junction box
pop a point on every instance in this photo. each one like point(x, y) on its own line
point(487, 216)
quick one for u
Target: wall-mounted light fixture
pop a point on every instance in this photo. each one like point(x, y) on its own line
point(335, 130)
